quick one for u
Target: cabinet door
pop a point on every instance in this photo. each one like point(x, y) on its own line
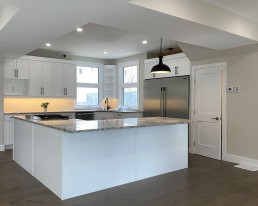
point(22, 68)
point(48, 79)
point(148, 67)
point(8, 132)
point(9, 68)
point(70, 80)
point(184, 66)
point(35, 78)
point(59, 80)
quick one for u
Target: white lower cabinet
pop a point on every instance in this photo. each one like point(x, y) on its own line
point(8, 130)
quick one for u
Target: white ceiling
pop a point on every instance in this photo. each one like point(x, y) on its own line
point(97, 39)
point(38, 22)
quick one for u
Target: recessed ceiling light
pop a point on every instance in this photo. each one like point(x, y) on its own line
point(79, 29)
point(144, 42)
point(105, 52)
point(48, 44)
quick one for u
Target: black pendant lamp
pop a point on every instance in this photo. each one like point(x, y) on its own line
point(160, 68)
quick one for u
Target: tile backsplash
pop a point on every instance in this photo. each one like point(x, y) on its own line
point(12, 105)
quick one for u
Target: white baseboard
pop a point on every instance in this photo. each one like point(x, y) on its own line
point(2, 148)
point(240, 160)
point(191, 150)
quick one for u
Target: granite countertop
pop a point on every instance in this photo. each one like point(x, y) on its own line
point(77, 125)
point(72, 111)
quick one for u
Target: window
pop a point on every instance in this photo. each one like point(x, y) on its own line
point(88, 86)
point(129, 75)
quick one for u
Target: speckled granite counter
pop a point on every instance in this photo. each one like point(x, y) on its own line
point(76, 125)
point(72, 111)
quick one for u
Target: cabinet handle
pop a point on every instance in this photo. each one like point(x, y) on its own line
point(176, 70)
point(43, 90)
point(64, 91)
point(17, 73)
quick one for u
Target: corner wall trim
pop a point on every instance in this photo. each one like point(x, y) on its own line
point(241, 160)
point(2, 148)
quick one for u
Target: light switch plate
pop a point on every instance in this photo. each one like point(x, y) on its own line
point(237, 89)
point(230, 89)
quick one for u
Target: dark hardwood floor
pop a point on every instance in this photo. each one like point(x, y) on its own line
point(205, 182)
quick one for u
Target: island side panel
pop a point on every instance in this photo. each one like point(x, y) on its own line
point(22, 147)
point(97, 160)
point(47, 161)
point(161, 149)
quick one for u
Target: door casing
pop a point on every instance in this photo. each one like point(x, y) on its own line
point(192, 138)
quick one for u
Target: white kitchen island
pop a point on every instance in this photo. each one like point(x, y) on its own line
point(75, 157)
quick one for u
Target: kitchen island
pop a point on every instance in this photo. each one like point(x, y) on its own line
point(75, 157)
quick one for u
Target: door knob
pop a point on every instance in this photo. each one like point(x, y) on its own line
point(216, 118)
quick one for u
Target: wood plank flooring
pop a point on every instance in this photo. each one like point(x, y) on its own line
point(205, 182)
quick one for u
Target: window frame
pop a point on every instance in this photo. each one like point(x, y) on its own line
point(123, 85)
point(99, 85)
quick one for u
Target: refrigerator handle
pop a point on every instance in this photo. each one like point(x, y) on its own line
point(161, 102)
point(164, 102)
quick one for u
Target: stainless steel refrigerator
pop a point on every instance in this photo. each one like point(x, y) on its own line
point(167, 97)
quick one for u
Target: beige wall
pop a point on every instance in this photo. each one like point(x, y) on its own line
point(242, 108)
point(16, 105)
point(1, 101)
point(141, 58)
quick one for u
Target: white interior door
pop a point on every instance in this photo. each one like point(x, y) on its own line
point(208, 112)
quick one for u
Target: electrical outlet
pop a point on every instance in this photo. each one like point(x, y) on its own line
point(230, 89)
point(237, 89)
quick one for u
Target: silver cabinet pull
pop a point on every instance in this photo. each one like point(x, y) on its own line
point(43, 90)
point(176, 70)
point(216, 118)
point(64, 91)
point(17, 73)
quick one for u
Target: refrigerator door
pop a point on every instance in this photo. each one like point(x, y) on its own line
point(152, 98)
point(176, 97)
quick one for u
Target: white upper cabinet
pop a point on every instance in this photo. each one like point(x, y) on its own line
point(16, 68)
point(41, 79)
point(179, 64)
point(59, 80)
point(148, 66)
point(70, 80)
point(65, 80)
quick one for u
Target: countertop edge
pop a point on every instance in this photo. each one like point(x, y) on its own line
point(166, 121)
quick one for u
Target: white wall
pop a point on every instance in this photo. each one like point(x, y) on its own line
point(242, 108)
point(59, 55)
point(1, 101)
point(141, 58)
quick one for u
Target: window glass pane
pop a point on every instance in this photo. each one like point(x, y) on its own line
point(87, 96)
point(87, 75)
point(130, 74)
point(130, 97)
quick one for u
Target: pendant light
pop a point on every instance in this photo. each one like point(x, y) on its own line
point(160, 68)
